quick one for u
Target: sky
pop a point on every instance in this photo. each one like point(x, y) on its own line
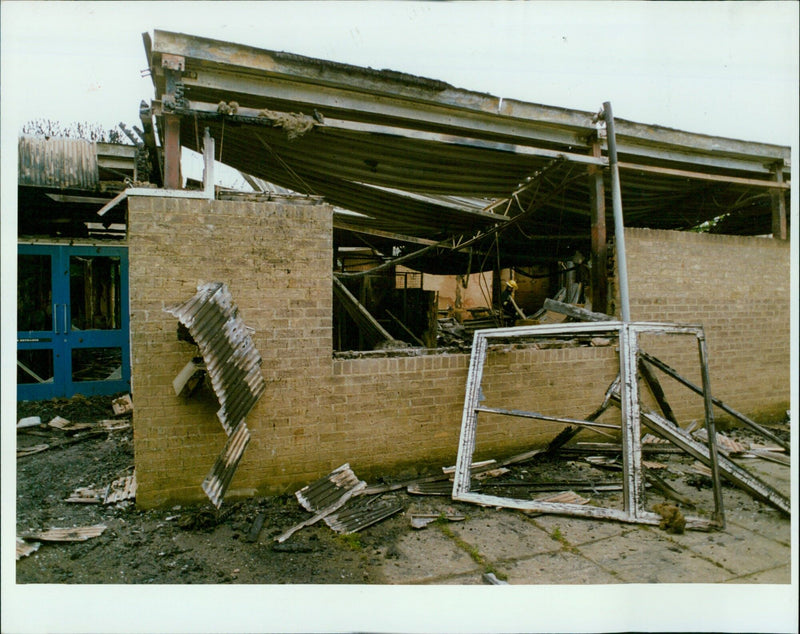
point(726, 69)
point(721, 68)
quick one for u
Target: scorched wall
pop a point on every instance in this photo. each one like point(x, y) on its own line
point(382, 415)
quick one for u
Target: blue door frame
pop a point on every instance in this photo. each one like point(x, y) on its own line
point(69, 344)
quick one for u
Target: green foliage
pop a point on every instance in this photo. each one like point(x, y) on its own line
point(351, 541)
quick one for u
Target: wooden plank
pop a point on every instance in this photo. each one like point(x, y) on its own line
point(575, 312)
point(778, 207)
point(771, 456)
point(29, 451)
point(405, 328)
point(77, 534)
point(597, 200)
point(726, 408)
point(358, 312)
point(657, 391)
point(24, 548)
point(728, 469)
point(172, 151)
point(122, 405)
point(399, 237)
point(255, 529)
point(112, 203)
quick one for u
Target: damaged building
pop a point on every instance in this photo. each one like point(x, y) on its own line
point(391, 218)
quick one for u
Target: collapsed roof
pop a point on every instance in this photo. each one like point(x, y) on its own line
point(417, 161)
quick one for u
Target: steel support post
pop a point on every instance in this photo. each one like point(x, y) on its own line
point(616, 199)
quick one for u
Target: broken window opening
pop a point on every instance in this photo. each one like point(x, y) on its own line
point(390, 310)
point(96, 364)
point(399, 307)
point(34, 293)
point(35, 366)
point(95, 302)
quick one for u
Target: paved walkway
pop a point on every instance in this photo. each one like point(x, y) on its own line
point(754, 548)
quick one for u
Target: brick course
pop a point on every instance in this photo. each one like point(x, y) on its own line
point(383, 415)
point(737, 288)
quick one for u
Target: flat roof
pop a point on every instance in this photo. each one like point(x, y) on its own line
point(419, 160)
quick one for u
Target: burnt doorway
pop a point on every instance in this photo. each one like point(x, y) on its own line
point(72, 321)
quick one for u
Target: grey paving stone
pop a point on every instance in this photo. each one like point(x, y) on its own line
point(504, 536)
point(737, 549)
point(558, 568)
point(763, 520)
point(581, 530)
point(425, 555)
point(781, 574)
point(471, 579)
point(644, 556)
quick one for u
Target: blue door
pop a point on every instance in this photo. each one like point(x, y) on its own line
point(72, 321)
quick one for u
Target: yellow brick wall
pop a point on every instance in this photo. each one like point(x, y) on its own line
point(737, 288)
point(385, 416)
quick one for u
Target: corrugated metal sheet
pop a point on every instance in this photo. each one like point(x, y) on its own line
point(231, 359)
point(219, 478)
point(362, 512)
point(62, 163)
point(329, 491)
point(234, 367)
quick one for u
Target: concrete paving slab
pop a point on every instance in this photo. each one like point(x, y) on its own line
point(781, 574)
point(644, 556)
point(736, 549)
point(558, 568)
point(504, 536)
point(471, 579)
point(580, 530)
point(426, 555)
point(774, 474)
point(770, 524)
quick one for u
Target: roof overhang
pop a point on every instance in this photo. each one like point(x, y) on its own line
point(420, 158)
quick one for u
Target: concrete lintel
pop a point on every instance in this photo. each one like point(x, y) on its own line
point(166, 193)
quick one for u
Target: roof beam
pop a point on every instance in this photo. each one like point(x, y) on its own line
point(408, 133)
point(381, 96)
point(399, 237)
point(720, 178)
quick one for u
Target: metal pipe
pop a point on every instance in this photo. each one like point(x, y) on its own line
point(616, 199)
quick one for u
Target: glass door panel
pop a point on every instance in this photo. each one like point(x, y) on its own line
point(94, 292)
point(34, 292)
point(72, 315)
point(39, 349)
